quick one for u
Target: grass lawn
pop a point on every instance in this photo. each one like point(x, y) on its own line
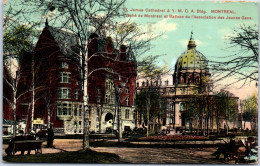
point(66, 157)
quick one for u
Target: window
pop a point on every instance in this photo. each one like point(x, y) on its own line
point(143, 83)
point(76, 94)
point(98, 99)
point(182, 90)
point(137, 84)
point(181, 107)
point(169, 120)
point(127, 101)
point(166, 83)
point(80, 110)
point(64, 109)
point(65, 78)
point(119, 88)
point(64, 93)
point(164, 90)
point(107, 98)
point(126, 90)
point(75, 112)
point(64, 65)
point(172, 90)
point(98, 90)
point(111, 85)
point(75, 124)
point(127, 114)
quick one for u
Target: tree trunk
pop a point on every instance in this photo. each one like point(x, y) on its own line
point(227, 127)
point(49, 117)
point(148, 115)
point(14, 113)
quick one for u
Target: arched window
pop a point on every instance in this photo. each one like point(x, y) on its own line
point(64, 65)
point(126, 90)
point(181, 107)
point(127, 101)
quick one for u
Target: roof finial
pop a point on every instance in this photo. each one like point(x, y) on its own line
point(191, 43)
point(191, 38)
point(46, 23)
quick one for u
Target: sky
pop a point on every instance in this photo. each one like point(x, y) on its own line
point(210, 34)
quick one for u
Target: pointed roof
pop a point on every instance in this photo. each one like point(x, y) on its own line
point(65, 39)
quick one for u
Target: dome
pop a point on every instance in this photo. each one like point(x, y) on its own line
point(191, 59)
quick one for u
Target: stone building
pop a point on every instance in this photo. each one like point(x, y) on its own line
point(52, 70)
point(191, 80)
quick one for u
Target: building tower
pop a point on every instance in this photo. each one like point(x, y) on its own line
point(190, 78)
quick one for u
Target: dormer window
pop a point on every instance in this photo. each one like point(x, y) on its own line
point(64, 65)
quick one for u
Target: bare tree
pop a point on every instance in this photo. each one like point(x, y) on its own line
point(17, 39)
point(151, 73)
point(83, 18)
point(243, 63)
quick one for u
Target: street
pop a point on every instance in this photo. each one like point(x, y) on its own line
point(140, 155)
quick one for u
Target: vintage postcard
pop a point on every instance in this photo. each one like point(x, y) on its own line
point(130, 81)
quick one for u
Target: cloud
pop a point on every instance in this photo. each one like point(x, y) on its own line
point(165, 36)
point(165, 26)
point(225, 32)
point(209, 37)
point(158, 28)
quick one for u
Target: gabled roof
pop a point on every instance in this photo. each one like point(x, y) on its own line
point(66, 40)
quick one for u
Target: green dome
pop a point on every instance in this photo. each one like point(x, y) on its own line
point(191, 59)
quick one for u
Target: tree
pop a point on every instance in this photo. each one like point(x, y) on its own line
point(84, 18)
point(195, 111)
point(250, 107)
point(156, 109)
point(226, 107)
point(17, 41)
point(151, 73)
point(243, 64)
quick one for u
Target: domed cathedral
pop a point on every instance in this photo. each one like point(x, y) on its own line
point(191, 79)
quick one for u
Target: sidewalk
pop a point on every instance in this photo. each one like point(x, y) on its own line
point(60, 145)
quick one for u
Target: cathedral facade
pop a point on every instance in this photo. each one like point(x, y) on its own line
point(189, 94)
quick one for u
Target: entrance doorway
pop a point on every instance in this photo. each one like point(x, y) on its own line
point(108, 122)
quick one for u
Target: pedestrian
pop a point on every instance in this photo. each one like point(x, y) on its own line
point(50, 137)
